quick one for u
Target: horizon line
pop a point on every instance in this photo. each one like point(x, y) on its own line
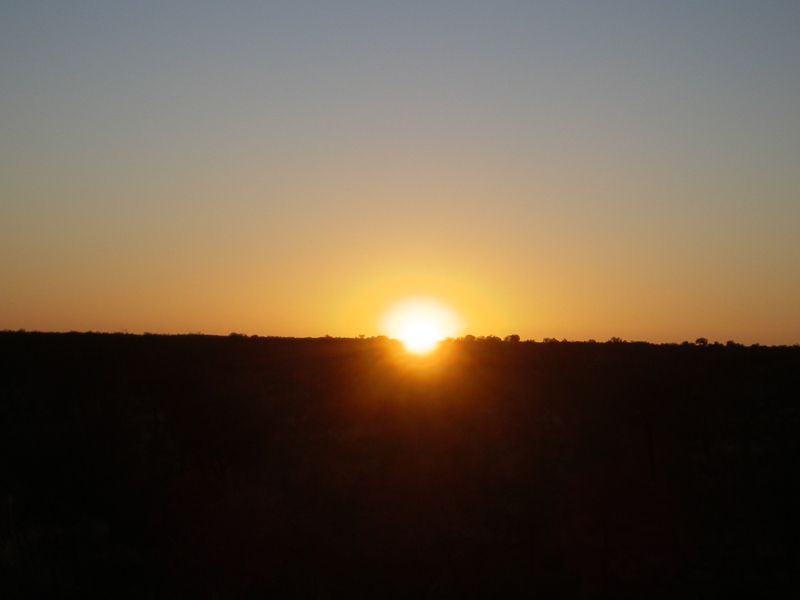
point(468, 338)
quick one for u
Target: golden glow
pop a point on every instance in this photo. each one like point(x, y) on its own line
point(420, 324)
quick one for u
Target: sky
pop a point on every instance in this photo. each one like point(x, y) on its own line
point(570, 169)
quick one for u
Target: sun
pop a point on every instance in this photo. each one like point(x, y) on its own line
point(420, 324)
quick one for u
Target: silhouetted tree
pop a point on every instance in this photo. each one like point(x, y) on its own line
point(701, 341)
point(512, 338)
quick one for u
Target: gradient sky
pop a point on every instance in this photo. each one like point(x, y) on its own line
point(563, 169)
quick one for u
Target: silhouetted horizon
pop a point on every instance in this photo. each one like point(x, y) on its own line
point(230, 466)
point(700, 341)
point(399, 299)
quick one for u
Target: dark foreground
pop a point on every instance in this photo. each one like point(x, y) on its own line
point(199, 466)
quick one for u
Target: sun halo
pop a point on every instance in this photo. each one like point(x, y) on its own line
point(420, 324)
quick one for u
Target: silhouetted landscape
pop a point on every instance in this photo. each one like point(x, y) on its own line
point(224, 467)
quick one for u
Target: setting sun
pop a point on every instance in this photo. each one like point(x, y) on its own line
point(420, 324)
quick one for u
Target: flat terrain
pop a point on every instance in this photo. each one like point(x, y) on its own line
point(200, 466)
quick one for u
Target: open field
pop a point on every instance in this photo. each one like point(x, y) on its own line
point(200, 466)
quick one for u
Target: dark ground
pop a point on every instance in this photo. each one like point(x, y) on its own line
point(194, 466)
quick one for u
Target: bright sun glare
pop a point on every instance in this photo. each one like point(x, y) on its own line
point(420, 324)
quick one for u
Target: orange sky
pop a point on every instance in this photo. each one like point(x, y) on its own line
point(553, 170)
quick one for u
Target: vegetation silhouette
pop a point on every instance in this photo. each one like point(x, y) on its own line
point(203, 466)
